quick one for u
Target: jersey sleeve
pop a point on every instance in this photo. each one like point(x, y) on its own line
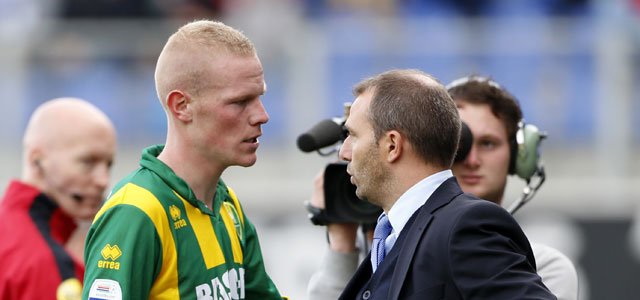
point(123, 255)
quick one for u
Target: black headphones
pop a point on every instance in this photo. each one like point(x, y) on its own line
point(525, 144)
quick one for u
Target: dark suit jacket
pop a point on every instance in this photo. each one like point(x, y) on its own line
point(456, 246)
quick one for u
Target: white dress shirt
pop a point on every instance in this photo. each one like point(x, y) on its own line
point(410, 202)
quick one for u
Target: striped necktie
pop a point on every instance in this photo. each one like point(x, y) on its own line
point(380, 234)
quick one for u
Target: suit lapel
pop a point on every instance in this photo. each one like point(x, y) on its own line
point(406, 254)
point(448, 190)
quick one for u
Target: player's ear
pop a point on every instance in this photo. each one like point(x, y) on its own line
point(179, 105)
point(392, 143)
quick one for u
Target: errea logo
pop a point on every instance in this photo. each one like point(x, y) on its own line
point(110, 254)
point(175, 213)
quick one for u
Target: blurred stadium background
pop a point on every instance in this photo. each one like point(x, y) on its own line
point(573, 64)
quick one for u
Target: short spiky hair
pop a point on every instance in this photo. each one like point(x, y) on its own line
point(184, 59)
point(418, 106)
point(213, 34)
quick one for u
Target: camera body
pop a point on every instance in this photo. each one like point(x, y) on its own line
point(341, 203)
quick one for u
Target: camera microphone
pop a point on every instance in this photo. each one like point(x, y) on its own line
point(465, 143)
point(325, 133)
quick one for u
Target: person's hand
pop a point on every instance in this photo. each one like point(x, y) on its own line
point(317, 197)
point(342, 236)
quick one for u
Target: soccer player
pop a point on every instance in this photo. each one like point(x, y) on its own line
point(173, 229)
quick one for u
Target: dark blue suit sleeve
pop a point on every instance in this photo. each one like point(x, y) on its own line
point(490, 257)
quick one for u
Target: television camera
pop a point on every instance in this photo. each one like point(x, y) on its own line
point(341, 203)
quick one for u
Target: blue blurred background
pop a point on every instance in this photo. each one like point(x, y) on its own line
point(573, 64)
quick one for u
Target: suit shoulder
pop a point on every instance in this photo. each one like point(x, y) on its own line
point(467, 203)
point(468, 212)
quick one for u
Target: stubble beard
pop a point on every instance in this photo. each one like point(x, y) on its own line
point(373, 178)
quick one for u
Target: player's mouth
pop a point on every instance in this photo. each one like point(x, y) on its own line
point(351, 178)
point(470, 179)
point(253, 142)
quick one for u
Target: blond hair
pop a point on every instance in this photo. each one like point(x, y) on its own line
point(213, 34)
point(182, 63)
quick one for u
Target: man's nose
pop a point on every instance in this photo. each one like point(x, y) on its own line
point(260, 115)
point(473, 159)
point(101, 175)
point(345, 150)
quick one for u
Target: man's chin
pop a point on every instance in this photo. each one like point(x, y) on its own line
point(248, 162)
point(85, 213)
point(84, 216)
point(475, 190)
point(483, 194)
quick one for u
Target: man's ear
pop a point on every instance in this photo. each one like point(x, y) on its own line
point(179, 104)
point(34, 157)
point(392, 144)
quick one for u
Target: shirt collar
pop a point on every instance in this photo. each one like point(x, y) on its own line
point(150, 161)
point(414, 198)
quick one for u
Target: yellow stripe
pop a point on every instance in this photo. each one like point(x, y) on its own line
point(231, 230)
point(166, 284)
point(237, 204)
point(207, 240)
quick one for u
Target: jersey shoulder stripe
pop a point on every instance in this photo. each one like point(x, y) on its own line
point(234, 230)
point(205, 235)
point(166, 284)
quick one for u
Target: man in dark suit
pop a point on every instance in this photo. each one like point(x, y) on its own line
point(432, 241)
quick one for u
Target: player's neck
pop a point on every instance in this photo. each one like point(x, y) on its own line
point(200, 174)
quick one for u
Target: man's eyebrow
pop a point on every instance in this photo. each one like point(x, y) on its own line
point(489, 135)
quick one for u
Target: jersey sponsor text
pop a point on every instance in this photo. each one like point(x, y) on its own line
point(229, 286)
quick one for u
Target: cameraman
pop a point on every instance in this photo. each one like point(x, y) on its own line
point(492, 115)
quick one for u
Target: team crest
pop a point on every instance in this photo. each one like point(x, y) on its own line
point(233, 213)
point(175, 212)
point(178, 221)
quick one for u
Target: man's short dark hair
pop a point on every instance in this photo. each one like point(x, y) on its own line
point(419, 107)
point(482, 90)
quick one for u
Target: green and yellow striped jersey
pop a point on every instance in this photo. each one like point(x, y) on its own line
point(153, 239)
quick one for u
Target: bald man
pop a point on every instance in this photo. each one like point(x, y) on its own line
point(68, 149)
point(172, 229)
